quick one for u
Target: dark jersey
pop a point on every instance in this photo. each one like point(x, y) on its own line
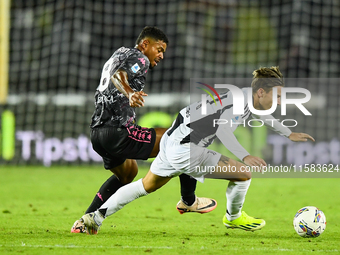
point(111, 106)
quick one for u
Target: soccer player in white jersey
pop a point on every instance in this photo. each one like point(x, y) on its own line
point(183, 150)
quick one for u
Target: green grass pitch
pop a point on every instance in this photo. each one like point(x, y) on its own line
point(39, 205)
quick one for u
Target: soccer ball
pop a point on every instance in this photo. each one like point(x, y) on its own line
point(309, 221)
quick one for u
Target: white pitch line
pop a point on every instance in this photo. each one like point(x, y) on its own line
point(85, 247)
point(162, 247)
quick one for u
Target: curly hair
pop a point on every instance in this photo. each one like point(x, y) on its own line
point(267, 78)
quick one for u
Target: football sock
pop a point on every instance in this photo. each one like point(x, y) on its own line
point(188, 187)
point(106, 190)
point(236, 194)
point(100, 218)
point(123, 196)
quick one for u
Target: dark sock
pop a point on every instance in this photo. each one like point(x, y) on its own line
point(106, 190)
point(188, 187)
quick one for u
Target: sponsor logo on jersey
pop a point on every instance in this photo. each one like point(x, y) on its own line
point(135, 68)
point(235, 119)
point(142, 60)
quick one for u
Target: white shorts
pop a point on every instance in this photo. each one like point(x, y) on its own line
point(174, 159)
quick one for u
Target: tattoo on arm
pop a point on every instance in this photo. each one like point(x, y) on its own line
point(225, 160)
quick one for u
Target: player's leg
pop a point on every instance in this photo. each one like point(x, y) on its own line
point(160, 172)
point(158, 135)
point(229, 169)
point(123, 174)
point(239, 181)
point(189, 202)
point(196, 204)
point(188, 184)
point(122, 197)
point(105, 141)
point(188, 187)
point(131, 142)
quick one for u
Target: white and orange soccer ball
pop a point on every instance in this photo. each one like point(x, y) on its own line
point(309, 221)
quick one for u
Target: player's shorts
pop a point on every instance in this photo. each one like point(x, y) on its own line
point(174, 159)
point(116, 144)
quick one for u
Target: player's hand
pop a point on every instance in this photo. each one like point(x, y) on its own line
point(300, 137)
point(254, 161)
point(136, 99)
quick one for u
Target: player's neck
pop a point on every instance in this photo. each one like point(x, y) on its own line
point(138, 47)
point(256, 103)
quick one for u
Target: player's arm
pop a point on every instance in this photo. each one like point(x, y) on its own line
point(276, 126)
point(300, 137)
point(229, 140)
point(227, 137)
point(120, 80)
point(273, 124)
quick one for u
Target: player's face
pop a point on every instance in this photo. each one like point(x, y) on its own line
point(266, 98)
point(154, 50)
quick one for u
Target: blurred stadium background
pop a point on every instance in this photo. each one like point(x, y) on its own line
point(52, 52)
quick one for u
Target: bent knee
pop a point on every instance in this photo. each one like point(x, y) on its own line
point(242, 179)
point(126, 172)
point(244, 176)
point(127, 178)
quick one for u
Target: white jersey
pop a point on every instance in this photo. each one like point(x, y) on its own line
point(191, 126)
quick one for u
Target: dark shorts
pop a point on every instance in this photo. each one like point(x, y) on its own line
point(116, 144)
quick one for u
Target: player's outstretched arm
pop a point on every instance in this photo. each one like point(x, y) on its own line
point(300, 137)
point(254, 161)
point(120, 80)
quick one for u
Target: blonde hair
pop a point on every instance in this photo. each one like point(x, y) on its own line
point(267, 78)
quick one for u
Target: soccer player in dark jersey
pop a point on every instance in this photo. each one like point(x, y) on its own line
point(184, 150)
point(116, 137)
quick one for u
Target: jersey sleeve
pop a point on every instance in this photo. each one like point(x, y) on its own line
point(225, 132)
point(273, 124)
point(136, 67)
point(229, 140)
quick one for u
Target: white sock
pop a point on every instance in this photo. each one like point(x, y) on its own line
point(236, 194)
point(123, 196)
point(98, 218)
